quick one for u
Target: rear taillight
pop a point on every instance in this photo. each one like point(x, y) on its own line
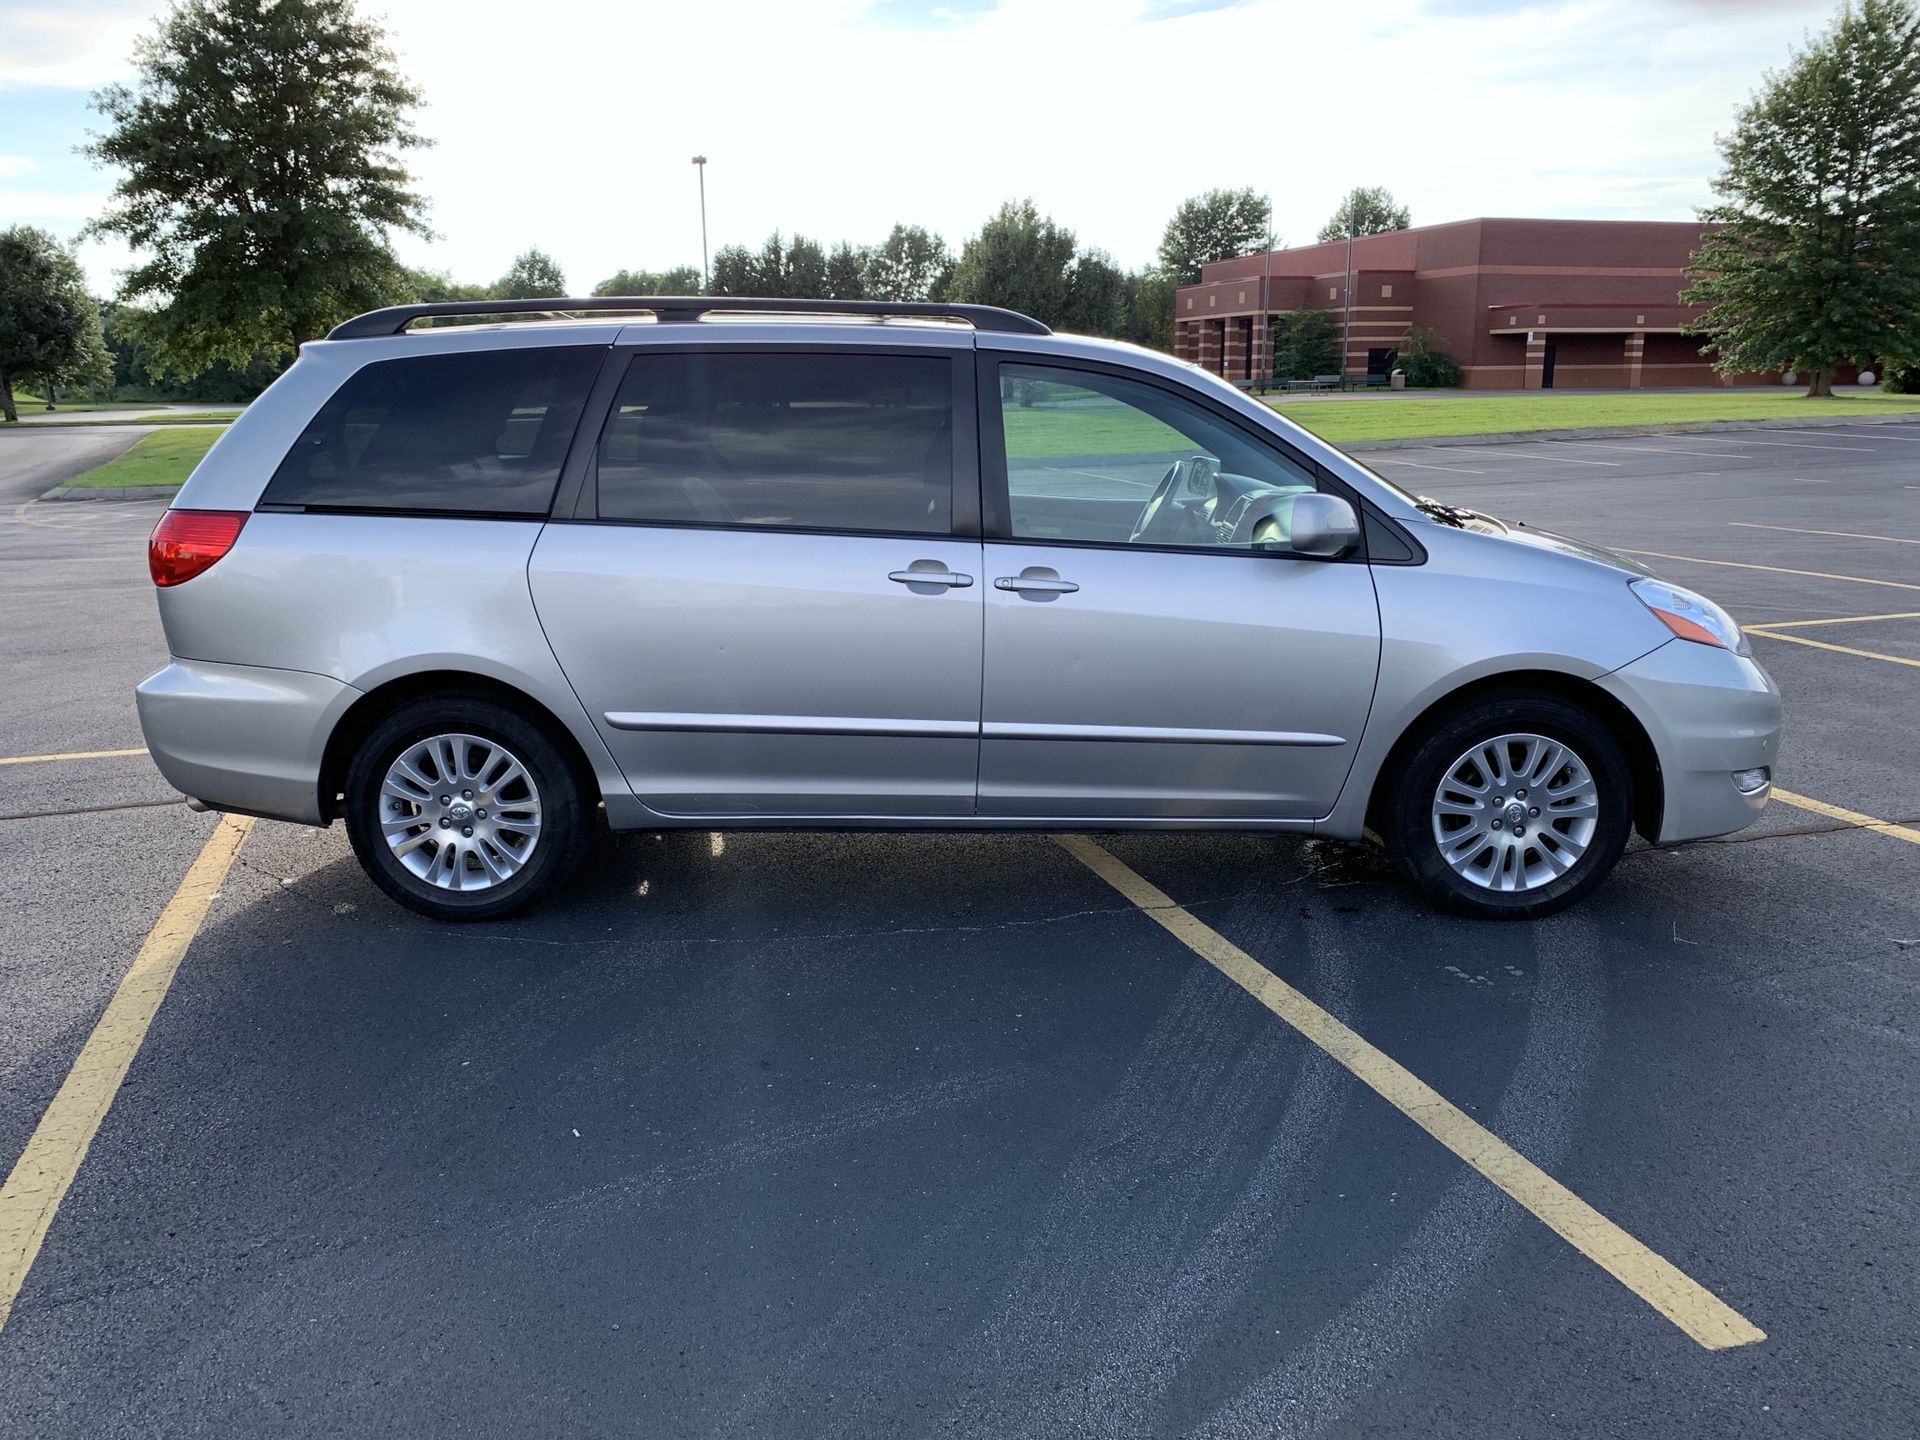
point(185, 542)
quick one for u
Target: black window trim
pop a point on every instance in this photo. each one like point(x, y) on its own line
point(584, 499)
point(995, 490)
point(536, 515)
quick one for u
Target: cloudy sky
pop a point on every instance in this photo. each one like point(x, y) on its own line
point(570, 125)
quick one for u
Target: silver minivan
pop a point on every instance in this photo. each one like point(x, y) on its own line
point(784, 564)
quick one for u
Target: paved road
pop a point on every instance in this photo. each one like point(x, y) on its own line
point(32, 462)
point(862, 1135)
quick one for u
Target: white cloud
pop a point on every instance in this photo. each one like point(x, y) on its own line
point(80, 43)
point(835, 119)
point(15, 165)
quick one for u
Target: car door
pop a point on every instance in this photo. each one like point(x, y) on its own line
point(1143, 658)
point(775, 608)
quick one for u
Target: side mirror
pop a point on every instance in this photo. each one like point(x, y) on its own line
point(1317, 526)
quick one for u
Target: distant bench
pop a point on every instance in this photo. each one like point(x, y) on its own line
point(1317, 383)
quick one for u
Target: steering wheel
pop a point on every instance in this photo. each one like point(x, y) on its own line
point(1159, 519)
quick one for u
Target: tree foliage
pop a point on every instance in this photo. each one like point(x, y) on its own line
point(260, 146)
point(680, 280)
point(1817, 259)
point(1305, 344)
point(780, 269)
point(1215, 226)
point(1020, 259)
point(1371, 210)
point(1425, 362)
point(910, 264)
point(533, 275)
point(422, 287)
point(49, 325)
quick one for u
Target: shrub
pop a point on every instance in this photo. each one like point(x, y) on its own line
point(1901, 377)
point(1430, 370)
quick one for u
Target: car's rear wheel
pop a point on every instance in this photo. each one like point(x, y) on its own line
point(1511, 808)
point(461, 809)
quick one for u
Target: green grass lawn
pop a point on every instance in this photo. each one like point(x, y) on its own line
point(1421, 417)
point(164, 458)
point(1044, 430)
point(37, 405)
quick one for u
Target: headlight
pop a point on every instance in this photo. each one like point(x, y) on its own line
point(1690, 616)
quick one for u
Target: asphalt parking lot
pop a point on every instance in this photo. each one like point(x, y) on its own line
point(862, 1135)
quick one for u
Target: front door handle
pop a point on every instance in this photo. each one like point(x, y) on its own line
point(950, 578)
point(1038, 584)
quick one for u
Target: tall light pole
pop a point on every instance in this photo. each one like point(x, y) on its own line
point(706, 276)
point(1346, 329)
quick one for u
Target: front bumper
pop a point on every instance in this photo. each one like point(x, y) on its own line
point(241, 737)
point(1709, 713)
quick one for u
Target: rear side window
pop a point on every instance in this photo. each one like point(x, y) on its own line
point(798, 441)
point(479, 433)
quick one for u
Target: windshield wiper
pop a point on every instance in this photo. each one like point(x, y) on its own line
point(1445, 514)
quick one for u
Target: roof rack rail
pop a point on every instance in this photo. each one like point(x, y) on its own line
point(395, 319)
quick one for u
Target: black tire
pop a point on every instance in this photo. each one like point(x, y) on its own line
point(1406, 815)
point(565, 813)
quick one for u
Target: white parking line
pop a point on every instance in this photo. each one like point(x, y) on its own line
point(1839, 534)
point(1501, 454)
point(1874, 434)
point(1649, 449)
point(1795, 444)
point(1416, 465)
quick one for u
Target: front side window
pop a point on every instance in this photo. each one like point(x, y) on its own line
point(478, 433)
point(1095, 457)
point(795, 441)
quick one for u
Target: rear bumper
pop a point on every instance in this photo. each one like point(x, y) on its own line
point(1709, 714)
point(240, 737)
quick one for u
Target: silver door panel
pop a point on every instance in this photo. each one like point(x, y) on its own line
point(768, 674)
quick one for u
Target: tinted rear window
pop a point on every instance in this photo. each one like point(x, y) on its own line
point(803, 441)
point(482, 433)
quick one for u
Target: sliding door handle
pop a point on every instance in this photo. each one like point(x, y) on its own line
point(952, 579)
point(1035, 584)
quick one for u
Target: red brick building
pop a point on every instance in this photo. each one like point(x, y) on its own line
point(1521, 304)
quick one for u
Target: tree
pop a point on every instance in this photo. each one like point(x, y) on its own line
point(1816, 261)
point(910, 264)
point(260, 145)
point(806, 274)
point(1021, 260)
point(424, 287)
point(533, 275)
point(1426, 364)
point(1150, 308)
point(1305, 345)
point(680, 280)
point(49, 326)
point(1370, 210)
point(1215, 226)
point(796, 271)
point(1096, 295)
point(847, 272)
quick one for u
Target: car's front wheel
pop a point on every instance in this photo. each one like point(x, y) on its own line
point(461, 809)
point(1511, 808)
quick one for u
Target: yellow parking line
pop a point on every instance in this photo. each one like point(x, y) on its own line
point(1823, 645)
point(1710, 1321)
point(1840, 534)
point(70, 755)
point(1851, 817)
point(33, 1192)
point(1776, 569)
point(1839, 620)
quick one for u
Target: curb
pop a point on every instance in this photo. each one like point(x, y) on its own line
point(1602, 432)
point(112, 492)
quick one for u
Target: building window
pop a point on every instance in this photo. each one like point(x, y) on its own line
point(1190, 303)
point(1333, 292)
point(1511, 319)
point(1243, 298)
point(1539, 319)
point(1212, 300)
point(1386, 292)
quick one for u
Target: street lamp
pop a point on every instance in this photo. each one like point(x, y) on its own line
point(706, 277)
